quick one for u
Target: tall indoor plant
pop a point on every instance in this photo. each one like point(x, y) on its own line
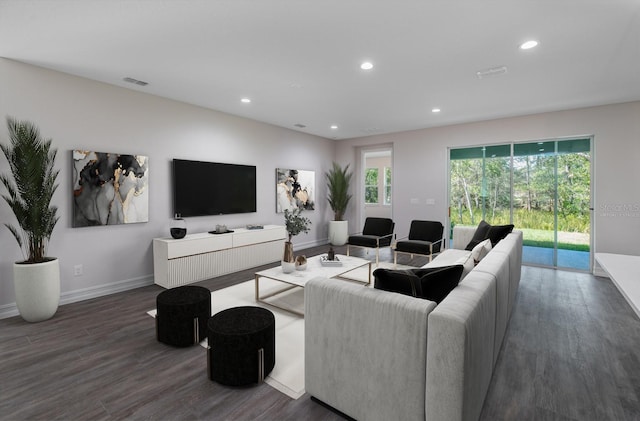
point(29, 192)
point(338, 181)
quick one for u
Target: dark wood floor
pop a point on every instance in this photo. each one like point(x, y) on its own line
point(571, 352)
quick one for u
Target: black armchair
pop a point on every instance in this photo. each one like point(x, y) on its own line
point(377, 232)
point(425, 238)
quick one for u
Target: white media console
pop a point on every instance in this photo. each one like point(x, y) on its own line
point(201, 256)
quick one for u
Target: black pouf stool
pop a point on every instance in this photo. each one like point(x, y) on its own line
point(242, 345)
point(182, 315)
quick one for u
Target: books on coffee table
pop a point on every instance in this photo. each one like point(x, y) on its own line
point(324, 261)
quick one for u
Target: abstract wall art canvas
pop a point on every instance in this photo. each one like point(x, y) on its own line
point(109, 188)
point(295, 189)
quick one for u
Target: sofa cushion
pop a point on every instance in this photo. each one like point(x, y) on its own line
point(498, 232)
point(493, 232)
point(479, 236)
point(481, 250)
point(436, 283)
point(401, 281)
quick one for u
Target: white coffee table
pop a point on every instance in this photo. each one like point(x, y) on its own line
point(299, 278)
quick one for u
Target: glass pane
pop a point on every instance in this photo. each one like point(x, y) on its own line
point(481, 152)
point(552, 196)
point(371, 177)
point(497, 190)
point(371, 194)
point(387, 186)
point(465, 185)
point(371, 186)
point(574, 216)
point(534, 203)
point(574, 146)
point(480, 188)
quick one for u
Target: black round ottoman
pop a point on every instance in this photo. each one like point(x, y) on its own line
point(182, 315)
point(242, 345)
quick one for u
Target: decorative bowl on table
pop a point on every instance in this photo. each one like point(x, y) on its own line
point(288, 267)
point(301, 262)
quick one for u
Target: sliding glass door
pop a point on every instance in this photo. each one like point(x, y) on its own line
point(480, 185)
point(543, 188)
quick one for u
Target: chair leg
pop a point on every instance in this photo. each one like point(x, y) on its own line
point(395, 258)
point(377, 256)
point(347, 249)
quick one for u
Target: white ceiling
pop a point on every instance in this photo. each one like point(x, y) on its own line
point(298, 60)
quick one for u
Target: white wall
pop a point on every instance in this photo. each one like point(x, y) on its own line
point(81, 114)
point(420, 165)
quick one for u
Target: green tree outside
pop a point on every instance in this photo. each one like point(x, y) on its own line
point(480, 188)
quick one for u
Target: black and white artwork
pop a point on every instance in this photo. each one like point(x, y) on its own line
point(109, 188)
point(295, 189)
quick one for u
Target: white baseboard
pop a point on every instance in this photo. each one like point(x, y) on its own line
point(11, 310)
point(599, 272)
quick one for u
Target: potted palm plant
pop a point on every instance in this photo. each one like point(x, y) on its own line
point(29, 192)
point(338, 180)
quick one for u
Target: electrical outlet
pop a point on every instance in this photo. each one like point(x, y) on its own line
point(77, 270)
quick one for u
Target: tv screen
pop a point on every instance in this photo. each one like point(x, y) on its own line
point(212, 188)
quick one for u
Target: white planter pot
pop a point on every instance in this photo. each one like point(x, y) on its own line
point(37, 289)
point(338, 232)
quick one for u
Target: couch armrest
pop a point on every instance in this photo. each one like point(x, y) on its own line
point(365, 350)
point(460, 357)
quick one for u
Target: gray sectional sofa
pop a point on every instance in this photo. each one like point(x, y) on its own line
point(379, 355)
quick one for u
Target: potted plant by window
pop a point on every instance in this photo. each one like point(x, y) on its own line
point(29, 192)
point(338, 180)
point(295, 223)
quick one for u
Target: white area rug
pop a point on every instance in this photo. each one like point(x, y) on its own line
point(287, 375)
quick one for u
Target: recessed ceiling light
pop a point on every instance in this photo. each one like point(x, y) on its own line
point(246, 100)
point(528, 44)
point(436, 110)
point(367, 65)
point(334, 127)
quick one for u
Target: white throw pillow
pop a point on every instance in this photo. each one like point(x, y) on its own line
point(481, 250)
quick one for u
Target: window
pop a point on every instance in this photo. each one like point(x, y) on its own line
point(543, 188)
point(387, 185)
point(371, 186)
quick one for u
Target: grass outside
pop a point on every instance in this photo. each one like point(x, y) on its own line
point(566, 240)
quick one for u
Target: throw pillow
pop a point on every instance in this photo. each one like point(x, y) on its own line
point(481, 250)
point(401, 281)
point(498, 232)
point(436, 283)
point(479, 236)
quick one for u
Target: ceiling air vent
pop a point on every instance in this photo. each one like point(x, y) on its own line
point(493, 71)
point(135, 81)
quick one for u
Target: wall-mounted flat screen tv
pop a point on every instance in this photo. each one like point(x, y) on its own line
point(213, 188)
